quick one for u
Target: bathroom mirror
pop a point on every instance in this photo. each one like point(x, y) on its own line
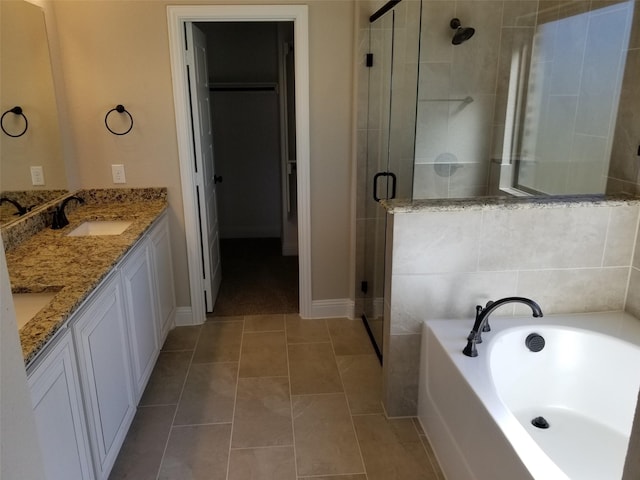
point(539, 101)
point(26, 81)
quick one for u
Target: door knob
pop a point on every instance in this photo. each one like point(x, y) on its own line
point(217, 178)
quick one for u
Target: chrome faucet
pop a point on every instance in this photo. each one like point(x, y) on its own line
point(21, 210)
point(59, 217)
point(482, 320)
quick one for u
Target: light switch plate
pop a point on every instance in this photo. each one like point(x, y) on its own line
point(37, 175)
point(117, 171)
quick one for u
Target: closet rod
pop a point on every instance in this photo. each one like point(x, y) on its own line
point(240, 87)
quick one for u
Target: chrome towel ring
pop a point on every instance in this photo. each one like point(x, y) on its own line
point(17, 111)
point(119, 109)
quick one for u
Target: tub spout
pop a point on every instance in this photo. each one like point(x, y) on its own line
point(482, 320)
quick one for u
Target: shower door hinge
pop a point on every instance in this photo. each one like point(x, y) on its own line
point(364, 286)
point(369, 60)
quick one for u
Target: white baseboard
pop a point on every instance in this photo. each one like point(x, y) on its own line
point(338, 307)
point(183, 316)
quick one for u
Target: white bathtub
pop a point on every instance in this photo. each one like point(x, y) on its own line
point(477, 412)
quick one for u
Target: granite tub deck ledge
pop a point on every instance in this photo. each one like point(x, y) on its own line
point(74, 266)
point(510, 203)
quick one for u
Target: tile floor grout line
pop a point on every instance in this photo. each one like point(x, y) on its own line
point(263, 447)
point(331, 475)
point(293, 430)
point(320, 394)
point(200, 424)
point(353, 425)
point(175, 413)
point(235, 397)
point(428, 451)
point(264, 331)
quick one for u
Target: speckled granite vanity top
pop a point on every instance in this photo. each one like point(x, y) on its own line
point(50, 260)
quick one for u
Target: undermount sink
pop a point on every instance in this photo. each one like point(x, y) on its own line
point(100, 227)
point(27, 305)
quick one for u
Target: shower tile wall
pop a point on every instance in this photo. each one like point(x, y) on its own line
point(457, 98)
point(444, 263)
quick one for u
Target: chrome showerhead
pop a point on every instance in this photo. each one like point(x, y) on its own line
point(462, 33)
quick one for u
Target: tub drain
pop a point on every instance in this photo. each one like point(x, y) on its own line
point(540, 422)
point(534, 342)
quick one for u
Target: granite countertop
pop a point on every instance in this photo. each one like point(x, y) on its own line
point(73, 267)
point(488, 203)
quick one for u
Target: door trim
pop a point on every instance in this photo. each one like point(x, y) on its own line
point(176, 17)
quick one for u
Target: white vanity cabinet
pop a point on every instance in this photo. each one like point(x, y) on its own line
point(86, 384)
point(102, 342)
point(140, 303)
point(160, 248)
point(58, 411)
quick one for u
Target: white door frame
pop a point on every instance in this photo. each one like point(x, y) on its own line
point(176, 17)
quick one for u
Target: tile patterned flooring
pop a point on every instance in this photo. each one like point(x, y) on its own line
point(270, 397)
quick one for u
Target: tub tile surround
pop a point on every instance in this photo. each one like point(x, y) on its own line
point(572, 255)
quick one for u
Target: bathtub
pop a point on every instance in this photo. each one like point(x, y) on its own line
point(478, 412)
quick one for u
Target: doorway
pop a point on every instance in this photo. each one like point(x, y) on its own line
point(178, 17)
point(251, 90)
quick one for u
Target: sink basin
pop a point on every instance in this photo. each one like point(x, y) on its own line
point(27, 305)
point(100, 227)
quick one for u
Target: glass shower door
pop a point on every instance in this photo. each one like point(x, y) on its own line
point(377, 185)
point(392, 93)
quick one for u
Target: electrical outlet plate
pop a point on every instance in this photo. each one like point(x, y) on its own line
point(117, 172)
point(37, 175)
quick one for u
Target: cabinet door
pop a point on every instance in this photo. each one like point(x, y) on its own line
point(163, 276)
point(59, 415)
point(141, 315)
point(100, 334)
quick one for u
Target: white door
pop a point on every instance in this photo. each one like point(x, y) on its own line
point(205, 176)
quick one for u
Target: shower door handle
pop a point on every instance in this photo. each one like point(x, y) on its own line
point(393, 185)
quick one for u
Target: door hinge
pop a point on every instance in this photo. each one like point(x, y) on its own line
point(364, 286)
point(369, 60)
